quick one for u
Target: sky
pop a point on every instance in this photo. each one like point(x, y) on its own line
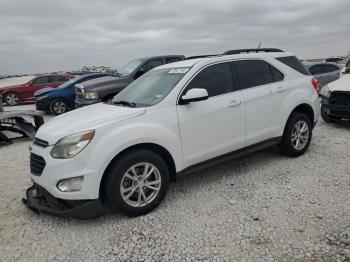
point(47, 35)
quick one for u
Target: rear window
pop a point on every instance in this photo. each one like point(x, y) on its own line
point(294, 63)
point(169, 60)
point(329, 68)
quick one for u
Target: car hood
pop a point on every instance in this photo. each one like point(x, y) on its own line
point(86, 118)
point(342, 84)
point(43, 91)
point(102, 81)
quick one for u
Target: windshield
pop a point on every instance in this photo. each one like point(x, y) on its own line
point(69, 82)
point(130, 67)
point(151, 88)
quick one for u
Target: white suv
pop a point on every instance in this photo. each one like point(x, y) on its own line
point(123, 155)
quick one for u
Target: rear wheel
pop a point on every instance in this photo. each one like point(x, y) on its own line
point(297, 135)
point(58, 107)
point(136, 183)
point(12, 99)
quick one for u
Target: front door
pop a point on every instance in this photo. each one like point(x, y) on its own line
point(214, 126)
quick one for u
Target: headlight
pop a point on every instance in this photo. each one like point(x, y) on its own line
point(72, 145)
point(92, 95)
point(38, 98)
point(325, 91)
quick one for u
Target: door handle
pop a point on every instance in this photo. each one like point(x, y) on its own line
point(235, 103)
point(280, 89)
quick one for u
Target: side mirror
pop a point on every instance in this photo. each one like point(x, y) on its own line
point(194, 95)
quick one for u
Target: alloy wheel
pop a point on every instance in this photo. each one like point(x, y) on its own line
point(12, 99)
point(300, 135)
point(59, 107)
point(140, 184)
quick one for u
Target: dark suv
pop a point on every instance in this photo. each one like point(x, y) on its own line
point(104, 88)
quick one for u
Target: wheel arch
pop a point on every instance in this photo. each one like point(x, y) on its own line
point(11, 92)
point(305, 109)
point(158, 149)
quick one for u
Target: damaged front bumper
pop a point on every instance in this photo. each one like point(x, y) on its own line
point(336, 111)
point(41, 201)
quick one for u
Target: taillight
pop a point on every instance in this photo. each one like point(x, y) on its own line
point(315, 84)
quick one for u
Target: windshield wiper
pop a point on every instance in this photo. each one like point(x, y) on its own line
point(125, 103)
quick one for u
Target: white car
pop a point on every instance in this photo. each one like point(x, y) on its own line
point(177, 117)
point(336, 100)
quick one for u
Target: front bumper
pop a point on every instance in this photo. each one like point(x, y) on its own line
point(336, 111)
point(42, 105)
point(41, 201)
point(82, 103)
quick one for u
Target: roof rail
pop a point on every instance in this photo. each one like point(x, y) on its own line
point(252, 50)
point(199, 56)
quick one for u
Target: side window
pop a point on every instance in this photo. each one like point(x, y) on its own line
point(329, 68)
point(277, 75)
point(315, 70)
point(41, 80)
point(54, 79)
point(216, 79)
point(169, 60)
point(256, 73)
point(152, 64)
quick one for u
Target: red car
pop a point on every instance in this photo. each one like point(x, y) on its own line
point(16, 94)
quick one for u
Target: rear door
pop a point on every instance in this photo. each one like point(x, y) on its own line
point(214, 126)
point(262, 89)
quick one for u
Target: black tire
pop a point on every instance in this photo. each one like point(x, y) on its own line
point(112, 195)
point(12, 99)
point(325, 116)
point(286, 145)
point(58, 107)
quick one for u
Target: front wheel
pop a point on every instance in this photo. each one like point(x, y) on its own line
point(136, 183)
point(297, 135)
point(58, 107)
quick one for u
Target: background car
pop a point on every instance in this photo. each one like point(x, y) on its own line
point(16, 94)
point(335, 59)
point(324, 72)
point(346, 68)
point(106, 88)
point(60, 100)
point(336, 100)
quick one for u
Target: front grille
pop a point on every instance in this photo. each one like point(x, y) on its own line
point(37, 164)
point(40, 143)
point(340, 99)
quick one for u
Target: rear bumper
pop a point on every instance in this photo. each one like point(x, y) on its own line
point(41, 201)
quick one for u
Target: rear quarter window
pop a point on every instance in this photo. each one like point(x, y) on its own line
point(294, 63)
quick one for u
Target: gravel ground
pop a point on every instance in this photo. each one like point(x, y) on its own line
point(263, 207)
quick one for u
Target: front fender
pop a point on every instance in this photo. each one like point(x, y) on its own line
point(110, 144)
